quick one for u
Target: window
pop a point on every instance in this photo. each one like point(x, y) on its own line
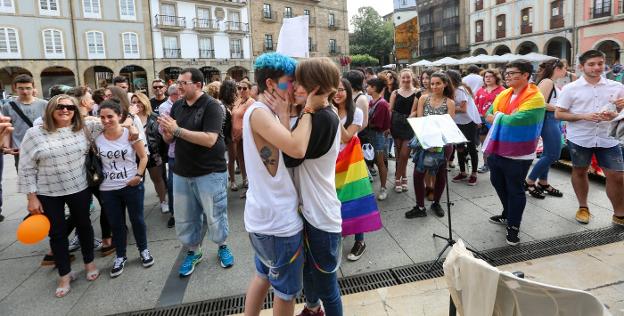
point(500, 1)
point(306, 12)
point(131, 45)
point(479, 31)
point(556, 14)
point(333, 49)
point(526, 21)
point(451, 38)
point(288, 12)
point(127, 10)
point(266, 11)
point(235, 16)
point(236, 48)
point(478, 5)
point(203, 13)
point(53, 43)
point(7, 6)
point(48, 7)
point(9, 46)
point(332, 20)
point(95, 45)
point(500, 26)
point(268, 42)
point(168, 9)
point(91, 8)
point(170, 47)
point(602, 8)
point(206, 49)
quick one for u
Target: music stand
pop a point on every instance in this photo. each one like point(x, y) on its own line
point(439, 131)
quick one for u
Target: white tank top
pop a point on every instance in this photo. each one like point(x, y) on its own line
point(272, 202)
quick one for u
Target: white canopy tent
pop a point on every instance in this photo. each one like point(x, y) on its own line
point(389, 66)
point(422, 63)
point(446, 61)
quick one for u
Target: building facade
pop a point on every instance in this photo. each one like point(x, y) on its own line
point(520, 27)
point(406, 31)
point(328, 28)
point(75, 42)
point(601, 26)
point(443, 28)
point(211, 35)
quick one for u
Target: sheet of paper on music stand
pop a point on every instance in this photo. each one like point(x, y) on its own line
point(436, 131)
point(293, 37)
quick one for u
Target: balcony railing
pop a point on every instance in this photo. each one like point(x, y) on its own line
point(601, 12)
point(171, 52)
point(236, 55)
point(500, 33)
point(170, 21)
point(479, 37)
point(478, 5)
point(207, 53)
point(426, 27)
point(450, 22)
point(236, 1)
point(526, 28)
point(269, 16)
point(557, 22)
point(238, 27)
point(334, 50)
point(205, 25)
point(312, 47)
point(333, 25)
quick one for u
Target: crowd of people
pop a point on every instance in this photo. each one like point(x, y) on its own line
point(284, 134)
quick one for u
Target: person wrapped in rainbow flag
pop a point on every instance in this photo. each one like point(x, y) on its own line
point(516, 115)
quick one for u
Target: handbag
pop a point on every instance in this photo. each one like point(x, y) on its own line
point(93, 163)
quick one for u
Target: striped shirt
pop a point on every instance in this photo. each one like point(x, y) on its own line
point(53, 163)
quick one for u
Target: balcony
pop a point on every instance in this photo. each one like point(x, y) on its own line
point(500, 33)
point(479, 37)
point(450, 22)
point(312, 47)
point(478, 5)
point(205, 25)
point(556, 22)
point(207, 53)
point(171, 52)
point(237, 27)
point(426, 27)
point(170, 22)
point(333, 25)
point(334, 50)
point(269, 16)
point(241, 2)
point(237, 55)
point(526, 28)
point(601, 12)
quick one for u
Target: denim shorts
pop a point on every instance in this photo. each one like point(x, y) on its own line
point(608, 158)
point(379, 141)
point(280, 261)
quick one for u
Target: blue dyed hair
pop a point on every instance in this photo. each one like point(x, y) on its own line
point(273, 66)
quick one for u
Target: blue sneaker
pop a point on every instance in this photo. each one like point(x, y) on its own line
point(225, 257)
point(188, 266)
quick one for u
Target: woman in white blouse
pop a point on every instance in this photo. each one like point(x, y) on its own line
point(52, 174)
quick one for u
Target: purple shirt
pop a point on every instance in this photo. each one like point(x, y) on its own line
point(165, 109)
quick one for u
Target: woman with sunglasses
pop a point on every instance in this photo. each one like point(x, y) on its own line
point(243, 102)
point(52, 175)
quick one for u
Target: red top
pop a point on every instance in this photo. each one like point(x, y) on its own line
point(484, 99)
point(379, 115)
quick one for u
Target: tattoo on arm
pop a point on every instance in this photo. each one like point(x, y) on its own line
point(265, 154)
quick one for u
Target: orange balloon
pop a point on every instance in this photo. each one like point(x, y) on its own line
point(33, 230)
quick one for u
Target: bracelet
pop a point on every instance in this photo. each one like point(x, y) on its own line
point(177, 132)
point(139, 175)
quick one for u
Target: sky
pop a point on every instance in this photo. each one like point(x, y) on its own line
point(383, 7)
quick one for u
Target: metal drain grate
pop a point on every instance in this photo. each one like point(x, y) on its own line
point(412, 273)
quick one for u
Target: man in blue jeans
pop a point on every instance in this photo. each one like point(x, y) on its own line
point(589, 104)
point(199, 172)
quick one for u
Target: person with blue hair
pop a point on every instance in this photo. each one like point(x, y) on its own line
point(271, 209)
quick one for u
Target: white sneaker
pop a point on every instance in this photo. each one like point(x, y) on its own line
point(164, 207)
point(382, 194)
point(74, 244)
point(97, 244)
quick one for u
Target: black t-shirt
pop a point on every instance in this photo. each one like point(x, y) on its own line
point(324, 128)
point(192, 160)
point(156, 103)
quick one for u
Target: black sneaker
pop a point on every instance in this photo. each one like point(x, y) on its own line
point(416, 212)
point(357, 251)
point(498, 219)
point(118, 266)
point(436, 208)
point(146, 258)
point(171, 222)
point(512, 235)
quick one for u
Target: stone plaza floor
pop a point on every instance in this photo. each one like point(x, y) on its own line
point(26, 288)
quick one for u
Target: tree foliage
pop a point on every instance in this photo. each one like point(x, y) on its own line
point(371, 34)
point(364, 60)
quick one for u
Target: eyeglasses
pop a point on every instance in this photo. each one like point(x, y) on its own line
point(183, 82)
point(68, 107)
point(158, 87)
point(241, 88)
point(511, 73)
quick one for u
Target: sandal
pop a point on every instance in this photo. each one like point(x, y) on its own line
point(534, 191)
point(404, 184)
point(63, 291)
point(397, 186)
point(93, 275)
point(549, 190)
point(233, 186)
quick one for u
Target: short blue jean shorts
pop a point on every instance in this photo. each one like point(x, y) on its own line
point(379, 141)
point(608, 158)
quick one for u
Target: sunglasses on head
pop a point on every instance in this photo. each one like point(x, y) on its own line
point(68, 107)
point(241, 88)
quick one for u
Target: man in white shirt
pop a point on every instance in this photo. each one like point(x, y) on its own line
point(589, 104)
point(473, 80)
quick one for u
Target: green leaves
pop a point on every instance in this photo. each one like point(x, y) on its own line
point(372, 36)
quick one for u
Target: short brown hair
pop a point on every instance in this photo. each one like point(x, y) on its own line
point(48, 118)
point(319, 72)
point(145, 101)
point(23, 78)
point(495, 73)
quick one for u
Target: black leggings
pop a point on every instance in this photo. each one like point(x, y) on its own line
point(470, 132)
point(54, 210)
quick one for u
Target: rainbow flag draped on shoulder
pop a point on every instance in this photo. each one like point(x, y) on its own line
point(517, 131)
point(359, 208)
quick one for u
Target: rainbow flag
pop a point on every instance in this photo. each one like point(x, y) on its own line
point(359, 208)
